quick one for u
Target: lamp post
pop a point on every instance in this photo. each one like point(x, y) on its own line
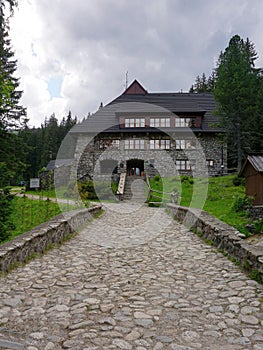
point(222, 160)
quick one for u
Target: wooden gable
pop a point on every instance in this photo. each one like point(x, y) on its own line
point(253, 172)
point(135, 89)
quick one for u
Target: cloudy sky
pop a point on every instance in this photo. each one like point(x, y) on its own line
point(72, 55)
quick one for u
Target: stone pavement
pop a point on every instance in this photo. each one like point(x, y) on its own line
point(132, 279)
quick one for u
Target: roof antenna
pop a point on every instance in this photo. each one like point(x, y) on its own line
point(126, 81)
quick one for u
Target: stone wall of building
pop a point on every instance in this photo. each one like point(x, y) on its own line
point(36, 241)
point(215, 150)
point(91, 151)
point(221, 235)
point(84, 157)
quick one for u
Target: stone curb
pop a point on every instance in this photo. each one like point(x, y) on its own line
point(223, 236)
point(36, 241)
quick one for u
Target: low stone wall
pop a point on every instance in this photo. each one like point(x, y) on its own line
point(256, 212)
point(36, 241)
point(223, 236)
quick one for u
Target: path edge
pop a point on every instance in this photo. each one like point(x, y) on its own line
point(221, 235)
point(40, 238)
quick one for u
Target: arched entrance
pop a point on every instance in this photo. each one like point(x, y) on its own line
point(135, 167)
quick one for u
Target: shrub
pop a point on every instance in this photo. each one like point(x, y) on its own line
point(242, 204)
point(86, 190)
point(187, 179)
point(6, 224)
point(258, 226)
point(114, 186)
point(184, 178)
point(191, 181)
point(157, 178)
point(238, 181)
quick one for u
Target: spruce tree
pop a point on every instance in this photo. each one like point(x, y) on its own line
point(238, 92)
point(10, 110)
point(203, 84)
point(11, 113)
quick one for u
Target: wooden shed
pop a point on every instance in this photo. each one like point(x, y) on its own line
point(252, 170)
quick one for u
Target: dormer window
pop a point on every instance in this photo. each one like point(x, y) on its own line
point(160, 122)
point(134, 122)
point(184, 122)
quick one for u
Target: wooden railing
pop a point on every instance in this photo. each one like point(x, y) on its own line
point(121, 184)
point(164, 197)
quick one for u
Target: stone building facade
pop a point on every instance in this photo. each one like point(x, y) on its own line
point(149, 133)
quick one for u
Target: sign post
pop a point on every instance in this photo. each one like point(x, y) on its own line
point(34, 183)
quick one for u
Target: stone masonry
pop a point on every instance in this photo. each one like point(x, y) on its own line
point(89, 153)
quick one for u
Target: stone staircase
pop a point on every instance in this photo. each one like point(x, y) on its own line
point(135, 189)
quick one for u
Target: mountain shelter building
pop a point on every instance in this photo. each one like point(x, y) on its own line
point(143, 133)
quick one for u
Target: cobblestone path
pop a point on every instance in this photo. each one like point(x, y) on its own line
point(132, 279)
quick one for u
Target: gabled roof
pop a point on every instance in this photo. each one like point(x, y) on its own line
point(139, 101)
point(57, 163)
point(179, 103)
point(135, 89)
point(107, 118)
point(256, 161)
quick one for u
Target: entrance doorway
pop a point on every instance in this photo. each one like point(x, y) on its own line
point(135, 167)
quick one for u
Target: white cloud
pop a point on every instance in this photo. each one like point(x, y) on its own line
point(91, 44)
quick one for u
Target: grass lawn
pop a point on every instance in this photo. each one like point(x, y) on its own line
point(215, 195)
point(48, 193)
point(28, 213)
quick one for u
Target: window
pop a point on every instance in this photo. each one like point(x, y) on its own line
point(139, 122)
point(185, 144)
point(184, 122)
point(159, 144)
point(210, 162)
point(182, 164)
point(115, 144)
point(134, 144)
point(106, 143)
point(134, 122)
point(160, 122)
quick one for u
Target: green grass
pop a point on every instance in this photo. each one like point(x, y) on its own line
point(52, 193)
point(28, 213)
point(215, 195)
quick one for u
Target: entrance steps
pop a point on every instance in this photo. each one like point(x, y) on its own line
point(135, 189)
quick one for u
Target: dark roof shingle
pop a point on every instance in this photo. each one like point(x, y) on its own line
point(176, 103)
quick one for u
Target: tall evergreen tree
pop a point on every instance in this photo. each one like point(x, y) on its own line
point(238, 92)
point(10, 110)
point(203, 84)
point(43, 143)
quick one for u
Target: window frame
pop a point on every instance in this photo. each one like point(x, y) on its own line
point(184, 122)
point(184, 144)
point(160, 144)
point(210, 163)
point(184, 165)
point(160, 122)
point(134, 144)
point(135, 122)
